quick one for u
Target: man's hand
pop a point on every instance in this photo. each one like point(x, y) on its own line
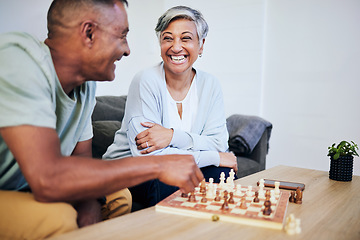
point(154, 138)
point(228, 159)
point(180, 171)
point(89, 212)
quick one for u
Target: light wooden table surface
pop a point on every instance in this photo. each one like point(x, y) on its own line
point(330, 210)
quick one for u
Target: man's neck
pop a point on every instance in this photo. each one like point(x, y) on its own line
point(67, 66)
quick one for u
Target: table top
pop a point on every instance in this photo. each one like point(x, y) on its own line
point(330, 210)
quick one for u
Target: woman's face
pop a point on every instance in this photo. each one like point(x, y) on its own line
point(180, 46)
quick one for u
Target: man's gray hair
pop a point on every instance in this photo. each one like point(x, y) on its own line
point(183, 12)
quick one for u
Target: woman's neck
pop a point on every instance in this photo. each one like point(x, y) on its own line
point(179, 85)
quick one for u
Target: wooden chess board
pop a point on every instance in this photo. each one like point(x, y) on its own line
point(252, 215)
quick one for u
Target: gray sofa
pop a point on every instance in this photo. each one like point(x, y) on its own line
point(248, 135)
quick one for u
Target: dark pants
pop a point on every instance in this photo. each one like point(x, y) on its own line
point(151, 192)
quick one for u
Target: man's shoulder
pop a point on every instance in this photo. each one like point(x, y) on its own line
point(19, 39)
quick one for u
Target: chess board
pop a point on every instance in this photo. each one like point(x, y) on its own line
point(211, 209)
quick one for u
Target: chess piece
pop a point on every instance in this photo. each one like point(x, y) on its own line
point(222, 179)
point(292, 225)
point(202, 186)
point(184, 195)
point(292, 196)
point(267, 208)
point(238, 190)
point(243, 203)
point(272, 196)
point(267, 195)
point(277, 188)
point(231, 199)
point(217, 197)
point(192, 197)
point(256, 198)
point(298, 198)
point(261, 188)
point(204, 199)
point(226, 194)
point(225, 205)
point(249, 191)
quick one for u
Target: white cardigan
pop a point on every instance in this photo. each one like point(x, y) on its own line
point(147, 102)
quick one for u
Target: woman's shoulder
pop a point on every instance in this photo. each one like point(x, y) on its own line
point(152, 73)
point(206, 78)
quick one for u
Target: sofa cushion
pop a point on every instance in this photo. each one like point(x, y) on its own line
point(109, 108)
point(104, 132)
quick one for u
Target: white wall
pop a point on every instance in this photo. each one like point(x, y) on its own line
point(295, 63)
point(311, 79)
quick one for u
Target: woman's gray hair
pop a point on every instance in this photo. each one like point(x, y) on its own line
point(183, 12)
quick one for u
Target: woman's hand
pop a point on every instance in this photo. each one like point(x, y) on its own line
point(154, 138)
point(228, 159)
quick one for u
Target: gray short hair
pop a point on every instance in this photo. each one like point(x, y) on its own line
point(183, 12)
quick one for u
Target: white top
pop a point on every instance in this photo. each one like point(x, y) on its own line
point(189, 109)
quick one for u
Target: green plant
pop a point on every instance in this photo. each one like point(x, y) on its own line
point(344, 148)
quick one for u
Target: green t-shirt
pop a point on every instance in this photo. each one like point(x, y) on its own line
point(31, 94)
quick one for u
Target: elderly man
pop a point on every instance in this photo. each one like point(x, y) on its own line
point(49, 183)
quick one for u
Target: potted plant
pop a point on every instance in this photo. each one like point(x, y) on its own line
point(342, 160)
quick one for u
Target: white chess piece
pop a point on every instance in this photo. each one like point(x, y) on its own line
point(222, 179)
point(210, 190)
point(277, 188)
point(238, 190)
point(272, 196)
point(249, 191)
point(292, 225)
point(261, 188)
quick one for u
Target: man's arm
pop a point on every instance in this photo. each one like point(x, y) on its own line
point(53, 177)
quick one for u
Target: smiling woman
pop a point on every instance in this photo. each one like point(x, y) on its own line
point(174, 108)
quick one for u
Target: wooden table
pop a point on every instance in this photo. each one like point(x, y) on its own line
point(330, 210)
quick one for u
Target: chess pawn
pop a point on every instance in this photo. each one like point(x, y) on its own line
point(231, 199)
point(243, 203)
point(261, 183)
point(204, 199)
point(217, 197)
point(249, 191)
point(192, 197)
point(292, 196)
point(238, 190)
point(184, 195)
point(272, 196)
point(226, 194)
point(267, 209)
point(256, 198)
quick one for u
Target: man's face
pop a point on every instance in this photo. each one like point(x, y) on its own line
point(110, 44)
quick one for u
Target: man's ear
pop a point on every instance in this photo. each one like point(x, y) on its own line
point(87, 32)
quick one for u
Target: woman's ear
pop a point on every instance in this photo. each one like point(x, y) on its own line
point(202, 47)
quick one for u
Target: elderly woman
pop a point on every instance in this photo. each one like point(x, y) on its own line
point(174, 108)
